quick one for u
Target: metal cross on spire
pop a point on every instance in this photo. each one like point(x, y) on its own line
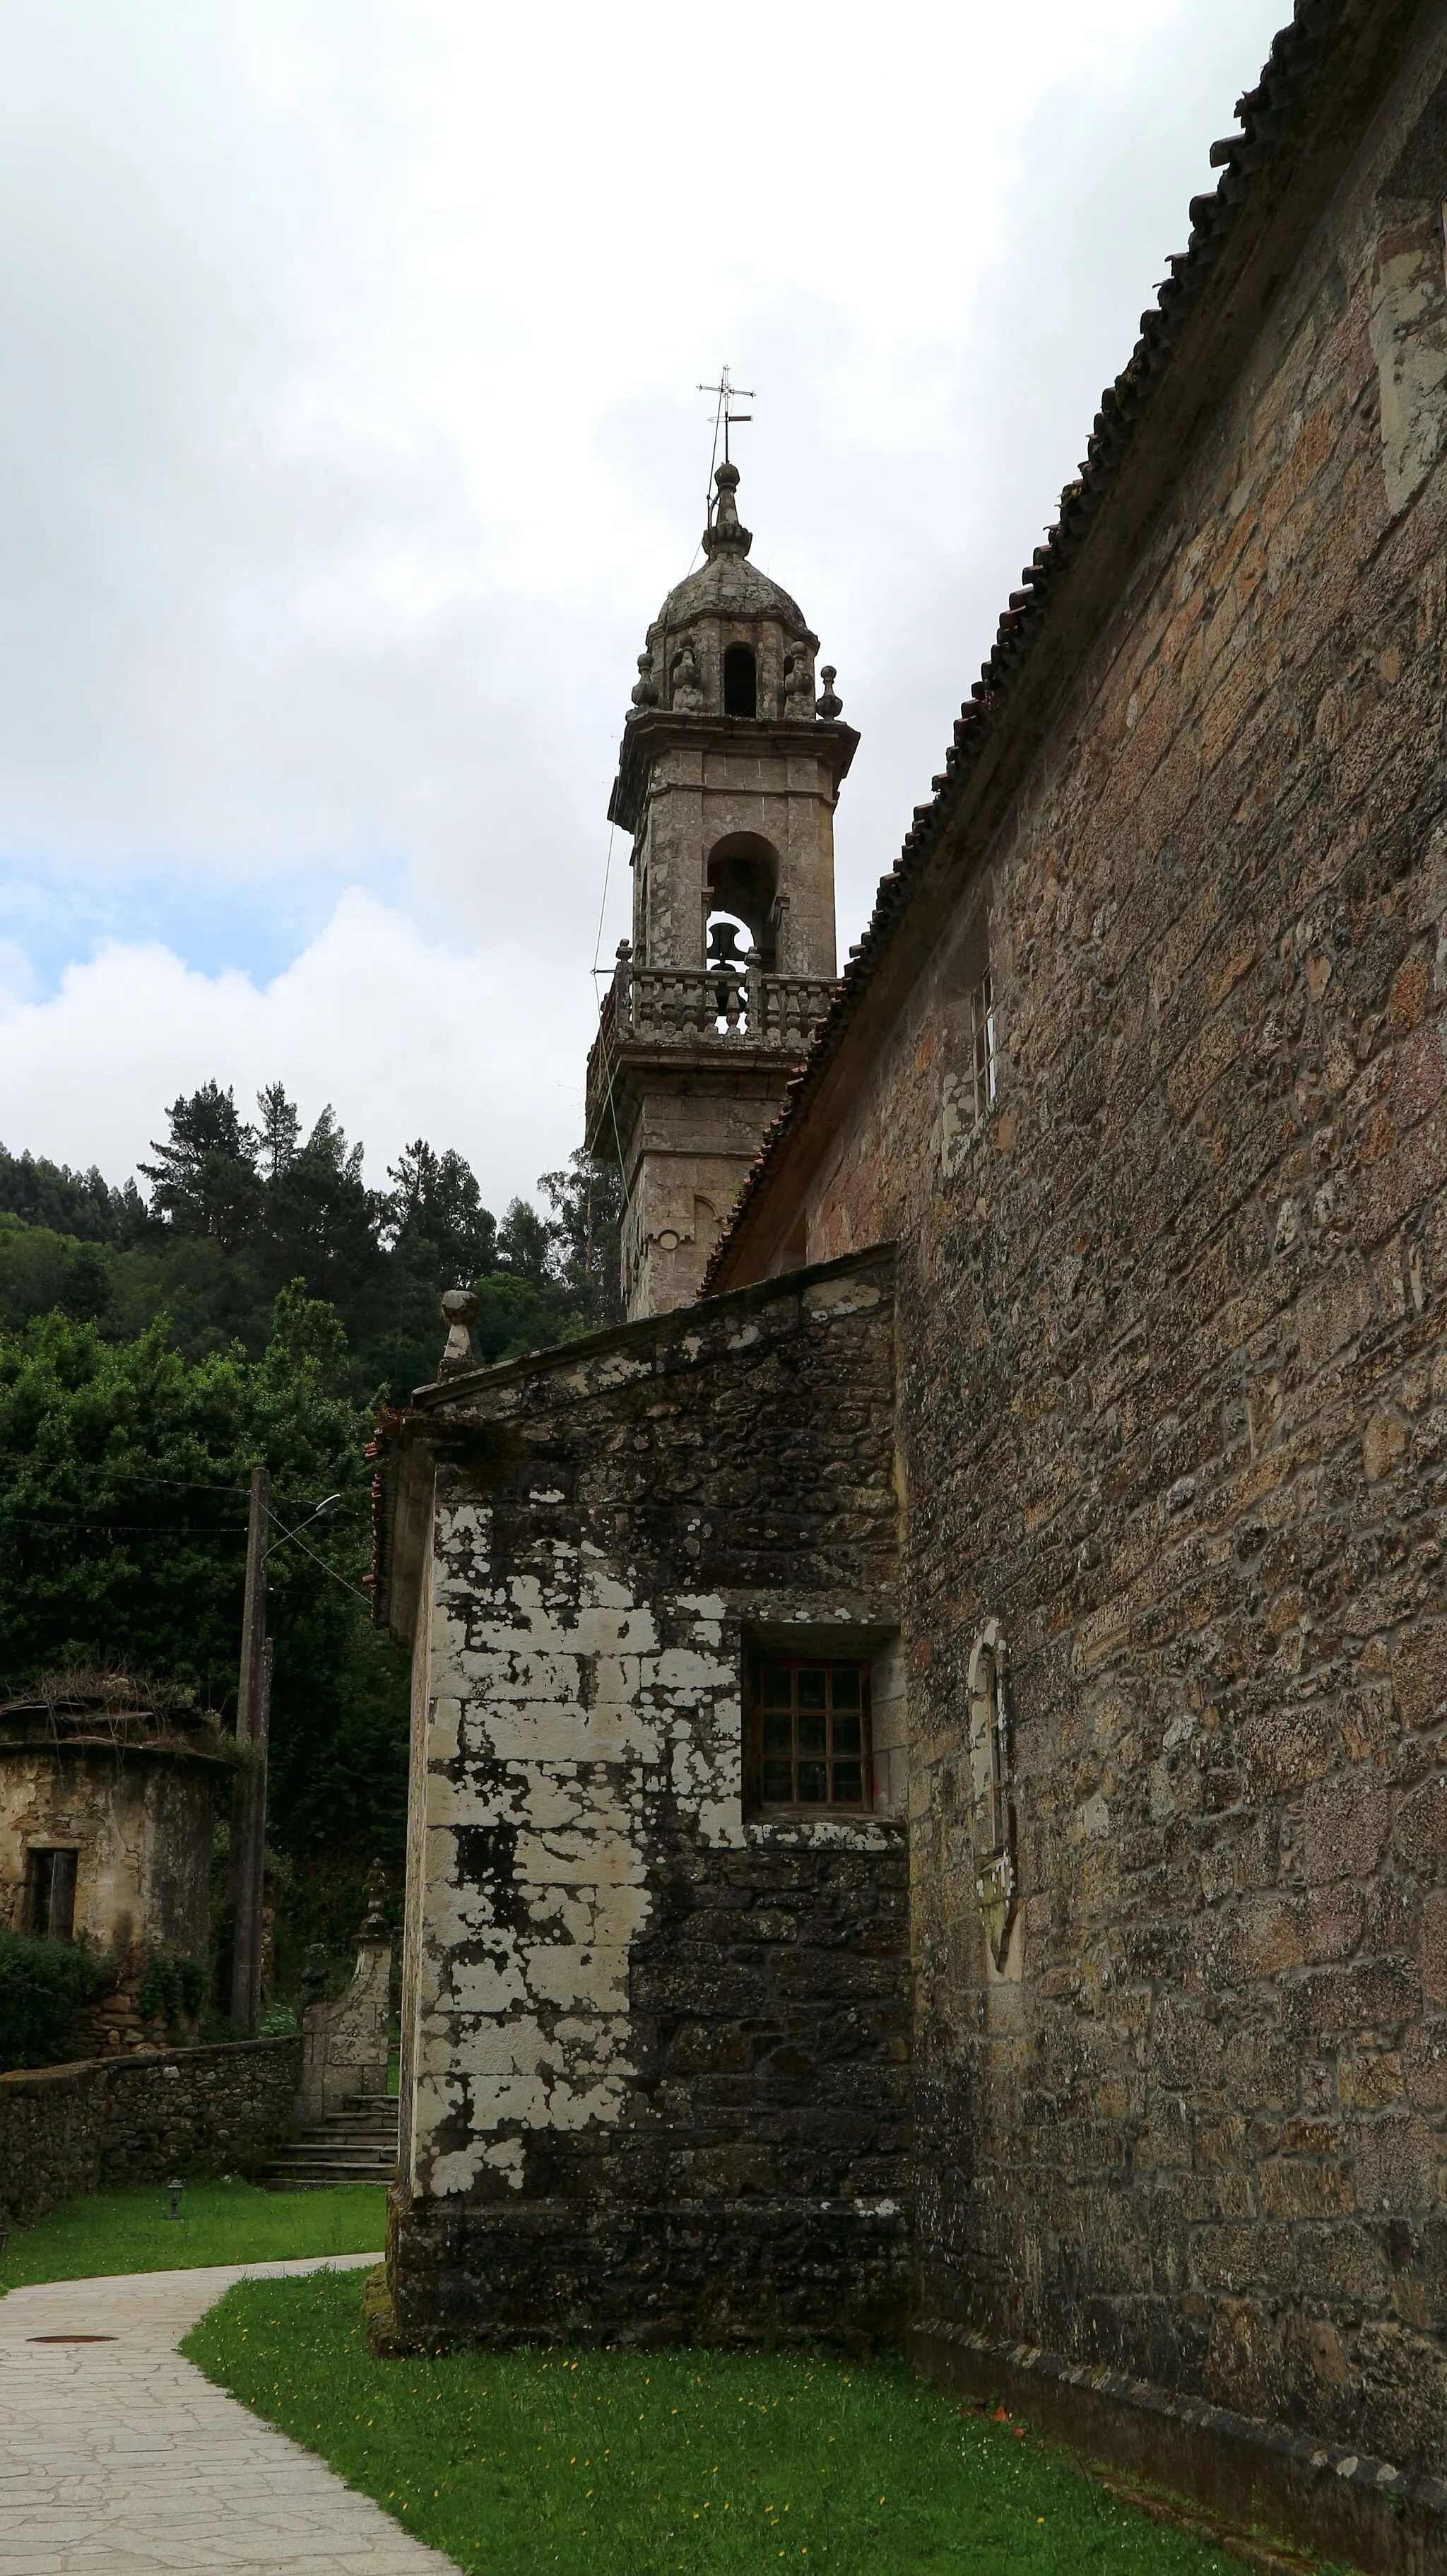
point(725, 394)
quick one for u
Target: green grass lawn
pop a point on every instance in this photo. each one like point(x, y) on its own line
point(223, 2222)
point(627, 2464)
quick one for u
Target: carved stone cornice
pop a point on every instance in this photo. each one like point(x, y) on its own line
point(658, 730)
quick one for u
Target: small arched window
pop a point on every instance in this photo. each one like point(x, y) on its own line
point(741, 681)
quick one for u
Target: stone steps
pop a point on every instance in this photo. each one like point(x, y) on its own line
point(357, 2144)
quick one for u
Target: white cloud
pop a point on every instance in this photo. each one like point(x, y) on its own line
point(405, 1035)
point(348, 442)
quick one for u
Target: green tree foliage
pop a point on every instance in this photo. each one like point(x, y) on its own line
point(238, 1208)
point(587, 1206)
point(204, 1178)
point(253, 1311)
point(124, 1470)
point(75, 1203)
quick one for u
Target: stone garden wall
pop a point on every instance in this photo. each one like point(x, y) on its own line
point(68, 2129)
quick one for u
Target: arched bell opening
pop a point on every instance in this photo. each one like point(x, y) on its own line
point(743, 885)
point(740, 681)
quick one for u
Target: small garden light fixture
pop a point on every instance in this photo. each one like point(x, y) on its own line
point(175, 2189)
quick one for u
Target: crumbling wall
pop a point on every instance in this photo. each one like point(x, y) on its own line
point(655, 2057)
point(1174, 1410)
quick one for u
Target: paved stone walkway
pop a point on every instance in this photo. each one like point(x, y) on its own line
point(120, 2459)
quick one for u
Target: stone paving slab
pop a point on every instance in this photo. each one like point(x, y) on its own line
point(121, 2459)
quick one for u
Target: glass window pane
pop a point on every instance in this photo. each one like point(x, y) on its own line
point(811, 1734)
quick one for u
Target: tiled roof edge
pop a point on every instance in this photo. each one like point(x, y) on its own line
point(1266, 118)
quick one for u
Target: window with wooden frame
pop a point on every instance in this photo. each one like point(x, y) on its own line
point(809, 1735)
point(48, 1903)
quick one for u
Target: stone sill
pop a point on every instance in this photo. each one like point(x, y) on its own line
point(1390, 2521)
point(825, 1833)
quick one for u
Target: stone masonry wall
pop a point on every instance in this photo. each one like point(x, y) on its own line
point(1174, 1408)
point(67, 2129)
point(655, 2068)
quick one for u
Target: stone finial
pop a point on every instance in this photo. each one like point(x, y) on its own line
point(645, 687)
point(724, 534)
point(831, 705)
point(374, 1922)
point(459, 1309)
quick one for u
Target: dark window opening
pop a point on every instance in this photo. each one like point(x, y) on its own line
point(810, 1735)
point(741, 681)
point(992, 1727)
point(984, 1048)
point(49, 1902)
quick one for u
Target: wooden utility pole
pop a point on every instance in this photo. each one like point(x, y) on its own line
point(248, 1798)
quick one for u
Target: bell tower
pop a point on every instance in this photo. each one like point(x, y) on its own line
point(728, 775)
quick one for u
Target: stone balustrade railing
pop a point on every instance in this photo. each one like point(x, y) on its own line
point(663, 1005)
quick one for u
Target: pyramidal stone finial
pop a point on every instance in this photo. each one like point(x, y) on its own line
point(725, 535)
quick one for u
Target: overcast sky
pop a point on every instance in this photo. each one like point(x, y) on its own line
point(349, 441)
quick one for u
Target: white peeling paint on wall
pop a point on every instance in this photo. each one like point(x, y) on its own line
point(833, 1299)
point(557, 1716)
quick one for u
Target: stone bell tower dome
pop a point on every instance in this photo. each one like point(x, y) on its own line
point(728, 776)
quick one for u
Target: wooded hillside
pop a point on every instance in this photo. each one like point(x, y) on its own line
point(254, 1306)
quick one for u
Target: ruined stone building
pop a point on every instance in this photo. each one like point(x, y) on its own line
point(106, 1801)
point(929, 1798)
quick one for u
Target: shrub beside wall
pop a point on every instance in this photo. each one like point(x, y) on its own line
point(44, 1986)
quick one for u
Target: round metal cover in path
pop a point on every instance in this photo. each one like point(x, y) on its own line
point(70, 2338)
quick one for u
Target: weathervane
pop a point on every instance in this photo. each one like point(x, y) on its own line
point(725, 392)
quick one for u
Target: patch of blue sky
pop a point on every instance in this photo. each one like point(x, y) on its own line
point(59, 914)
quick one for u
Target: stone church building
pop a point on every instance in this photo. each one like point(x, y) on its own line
point(929, 1803)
